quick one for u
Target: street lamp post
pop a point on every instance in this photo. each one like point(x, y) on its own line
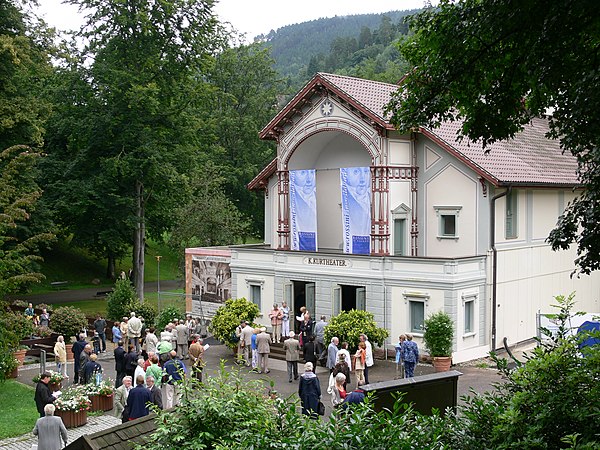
point(158, 279)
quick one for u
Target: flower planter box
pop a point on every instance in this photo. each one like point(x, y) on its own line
point(101, 402)
point(72, 419)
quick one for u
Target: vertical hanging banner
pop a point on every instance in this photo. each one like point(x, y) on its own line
point(356, 209)
point(303, 210)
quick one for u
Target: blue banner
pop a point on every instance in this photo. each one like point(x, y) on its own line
point(303, 210)
point(356, 209)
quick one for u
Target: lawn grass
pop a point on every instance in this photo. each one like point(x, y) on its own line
point(18, 413)
point(92, 307)
point(79, 268)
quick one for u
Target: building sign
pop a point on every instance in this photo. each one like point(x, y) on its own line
point(329, 262)
point(303, 210)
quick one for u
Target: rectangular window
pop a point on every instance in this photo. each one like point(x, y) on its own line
point(417, 316)
point(255, 295)
point(448, 225)
point(399, 237)
point(447, 221)
point(361, 299)
point(511, 215)
point(469, 310)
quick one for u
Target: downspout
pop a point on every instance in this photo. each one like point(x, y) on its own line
point(495, 261)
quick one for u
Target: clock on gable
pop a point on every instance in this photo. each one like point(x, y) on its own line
point(326, 108)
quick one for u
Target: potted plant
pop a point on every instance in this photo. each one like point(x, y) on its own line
point(438, 336)
point(228, 317)
point(101, 395)
point(56, 379)
point(72, 406)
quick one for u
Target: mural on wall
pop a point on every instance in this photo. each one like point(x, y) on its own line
point(303, 210)
point(211, 279)
point(356, 209)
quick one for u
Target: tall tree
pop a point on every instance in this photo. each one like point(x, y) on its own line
point(24, 69)
point(132, 126)
point(496, 64)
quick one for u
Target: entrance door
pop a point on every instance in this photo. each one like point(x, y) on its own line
point(352, 297)
point(303, 295)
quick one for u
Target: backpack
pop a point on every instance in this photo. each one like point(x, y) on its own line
point(235, 338)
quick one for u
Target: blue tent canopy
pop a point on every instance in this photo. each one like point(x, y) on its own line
point(588, 327)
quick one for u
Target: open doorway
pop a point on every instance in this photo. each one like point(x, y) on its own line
point(349, 297)
point(303, 295)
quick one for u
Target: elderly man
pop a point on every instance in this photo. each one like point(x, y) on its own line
point(332, 351)
point(181, 331)
point(246, 343)
point(134, 332)
point(292, 355)
point(263, 342)
point(196, 356)
point(320, 337)
point(155, 392)
point(50, 430)
point(175, 371)
point(84, 358)
point(120, 400)
point(138, 399)
point(77, 349)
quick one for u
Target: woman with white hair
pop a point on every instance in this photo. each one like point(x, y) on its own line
point(338, 392)
point(60, 353)
point(50, 430)
point(309, 391)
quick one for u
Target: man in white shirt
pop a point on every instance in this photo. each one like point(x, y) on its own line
point(134, 331)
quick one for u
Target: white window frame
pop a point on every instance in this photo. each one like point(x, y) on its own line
point(402, 212)
point(472, 299)
point(511, 215)
point(415, 297)
point(442, 211)
point(255, 282)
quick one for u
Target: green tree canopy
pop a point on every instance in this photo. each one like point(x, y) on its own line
point(494, 65)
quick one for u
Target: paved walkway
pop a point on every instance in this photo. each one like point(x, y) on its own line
point(94, 424)
point(474, 377)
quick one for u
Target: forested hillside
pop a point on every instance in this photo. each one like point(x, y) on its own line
point(360, 45)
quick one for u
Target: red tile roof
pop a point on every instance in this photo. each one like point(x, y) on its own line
point(528, 159)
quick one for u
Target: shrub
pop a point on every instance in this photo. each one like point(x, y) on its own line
point(68, 321)
point(438, 334)
point(228, 317)
point(145, 310)
point(167, 315)
point(19, 323)
point(349, 325)
point(118, 301)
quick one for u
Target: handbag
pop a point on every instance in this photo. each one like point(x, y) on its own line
point(321, 408)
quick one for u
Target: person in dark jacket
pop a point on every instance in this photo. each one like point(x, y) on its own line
point(91, 369)
point(119, 353)
point(342, 367)
point(306, 327)
point(131, 361)
point(138, 398)
point(43, 394)
point(309, 391)
point(83, 360)
point(155, 392)
point(77, 349)
point(310, 350)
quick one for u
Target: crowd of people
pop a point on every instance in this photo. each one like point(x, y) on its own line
point(147, 360)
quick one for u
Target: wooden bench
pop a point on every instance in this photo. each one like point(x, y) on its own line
point(103, 293)
point(58, 285)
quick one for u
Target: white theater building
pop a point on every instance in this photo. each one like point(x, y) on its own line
point(436, 207)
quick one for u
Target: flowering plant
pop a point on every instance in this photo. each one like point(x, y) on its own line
point(55, 377)
point(105, 388)
point(73, 399)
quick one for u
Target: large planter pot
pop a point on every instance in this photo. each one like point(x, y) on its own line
point(442, 363)
point(69, 348)
point(20, 355)
point(101, 402)
point(72, 419)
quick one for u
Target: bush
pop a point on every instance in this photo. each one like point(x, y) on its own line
point(438, 334)
point(19, 323)
point(349, 325)
point(68, 321)
point(228, 317)
point(166, 316)
point(145, 310)
point(118, 301)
